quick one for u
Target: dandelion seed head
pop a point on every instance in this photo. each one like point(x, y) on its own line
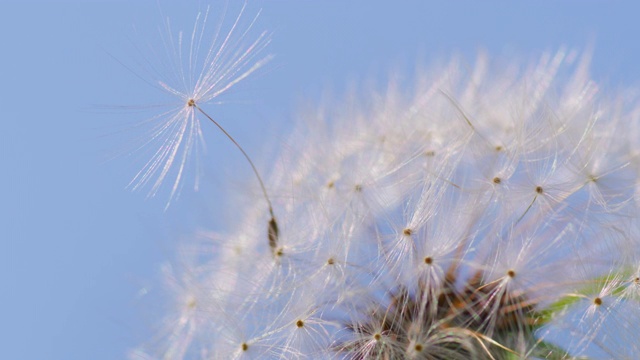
point(493, 214)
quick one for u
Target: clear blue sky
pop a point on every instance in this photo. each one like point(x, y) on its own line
point(76, 248)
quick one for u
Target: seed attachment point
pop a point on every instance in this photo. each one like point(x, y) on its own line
point(272, 233)
point(597, 301)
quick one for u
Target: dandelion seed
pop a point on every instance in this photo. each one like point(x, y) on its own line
point(229, 59)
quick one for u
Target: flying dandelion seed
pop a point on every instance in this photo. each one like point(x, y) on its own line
point(195, 68)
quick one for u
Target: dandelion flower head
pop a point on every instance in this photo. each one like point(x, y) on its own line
point(488, 212)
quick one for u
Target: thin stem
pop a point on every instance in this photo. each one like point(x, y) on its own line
point(253, 167)
point(273, 230)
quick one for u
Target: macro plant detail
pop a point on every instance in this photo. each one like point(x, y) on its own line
point(482, 212)
point(194, 68)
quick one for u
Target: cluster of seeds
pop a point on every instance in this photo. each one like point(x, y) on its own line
point(483, 214)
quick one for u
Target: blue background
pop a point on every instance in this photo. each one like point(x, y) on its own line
point(80, 255)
